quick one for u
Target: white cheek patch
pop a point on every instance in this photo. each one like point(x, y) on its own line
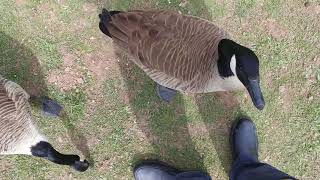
point(233, 63)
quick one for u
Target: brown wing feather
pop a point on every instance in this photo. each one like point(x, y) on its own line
point(15, 117)
point(170, 47)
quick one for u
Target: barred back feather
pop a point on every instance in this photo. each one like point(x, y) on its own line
point(176, 51)
point(17, 129)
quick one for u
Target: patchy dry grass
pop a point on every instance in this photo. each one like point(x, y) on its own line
point(113, 116)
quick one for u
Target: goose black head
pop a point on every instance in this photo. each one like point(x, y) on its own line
point(239, 61)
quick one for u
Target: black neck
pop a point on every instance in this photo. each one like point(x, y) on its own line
point(226, 51)
point(45, 150)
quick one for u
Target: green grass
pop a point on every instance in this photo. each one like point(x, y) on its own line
point(273, 7)
point(243, 7)
point(122, 121)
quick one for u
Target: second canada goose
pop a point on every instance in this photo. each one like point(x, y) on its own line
point(183, 53)
point(19, 134)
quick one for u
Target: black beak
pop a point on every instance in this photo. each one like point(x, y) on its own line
point(254, 90)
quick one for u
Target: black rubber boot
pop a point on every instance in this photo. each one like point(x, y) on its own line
point(166, 94)
point(161, 171)
point(244, 139)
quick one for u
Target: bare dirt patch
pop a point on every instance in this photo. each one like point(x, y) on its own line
point(227, 99)
point(93, 141)
point(5, 166)
point(83, 23)
point(179, 109)
point(141, 131)
point(312, 7)
point(44, 7)
point(70, 75)
point(269, 80)
point(312, 77)
point(51, 21)
point(65, 176)
point(80, 25)
point(249, 23)
point(21, 2)
point(68, 58)
point(220, 126)
point(89, 8)
point(198, 129)
point(274, 29)
point(102, 64)
point(286, 95)
point(66, 80)
point(107, 164)
point(125, 96)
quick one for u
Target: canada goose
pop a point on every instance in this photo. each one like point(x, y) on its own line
point(18, 133)
point(183, 53)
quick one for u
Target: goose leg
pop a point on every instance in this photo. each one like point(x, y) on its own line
point(166, 94)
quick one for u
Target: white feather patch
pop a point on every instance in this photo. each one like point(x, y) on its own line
point(233, 64)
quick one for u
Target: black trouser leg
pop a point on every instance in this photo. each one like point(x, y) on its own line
point(245, 168)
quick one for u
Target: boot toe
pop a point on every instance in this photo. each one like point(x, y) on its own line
point(244, 138)
point(148, 172)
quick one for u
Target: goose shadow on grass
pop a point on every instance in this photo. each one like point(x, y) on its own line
point(166, 125)
point(20, 65)
point(218, 110)
point(78, 139)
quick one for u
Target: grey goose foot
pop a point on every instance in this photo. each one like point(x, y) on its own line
point(166, 94)
point(51, 108)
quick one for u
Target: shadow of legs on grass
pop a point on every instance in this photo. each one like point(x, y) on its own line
point(218, 110)
point(18, 64)
point(77, 138)
point(164, 125)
